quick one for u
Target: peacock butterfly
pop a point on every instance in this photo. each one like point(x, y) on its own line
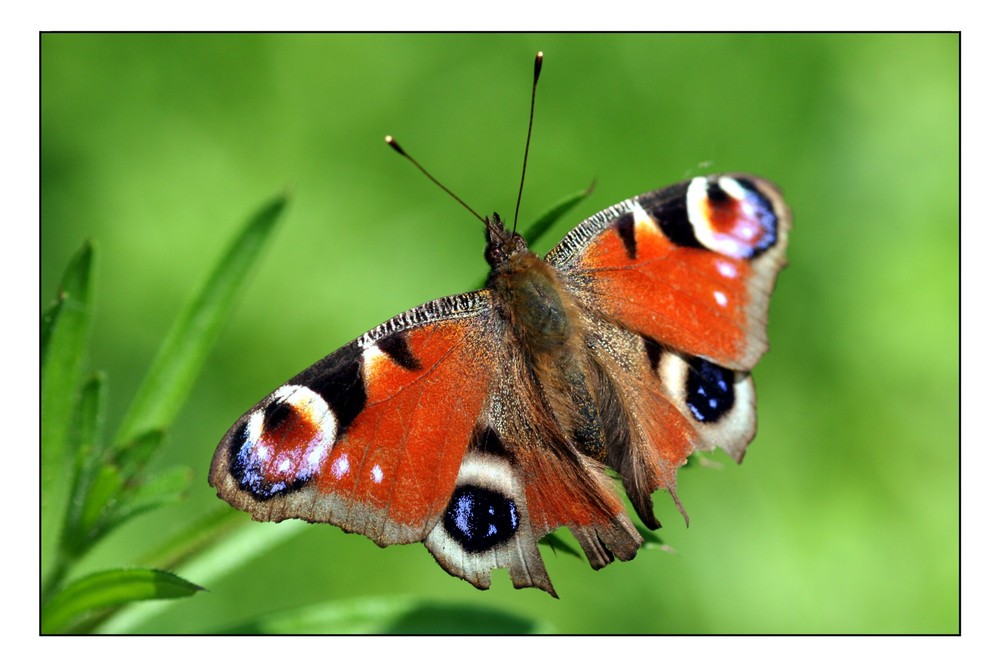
point(481, 422)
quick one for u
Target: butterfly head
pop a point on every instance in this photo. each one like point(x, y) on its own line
point(502, 244)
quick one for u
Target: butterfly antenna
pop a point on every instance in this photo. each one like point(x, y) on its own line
point(399, 149)
point(527, 142)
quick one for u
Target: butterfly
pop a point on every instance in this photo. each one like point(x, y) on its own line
point(481, 422)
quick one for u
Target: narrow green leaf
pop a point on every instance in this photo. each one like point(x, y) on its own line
point(110, 588)
point(85, 443)
point(653, 541)
point(182, 354)
point(391, 616)
point(111, 503)
point(195, 537)
point(164, 488)
point(98, 504)
point(49, 319)
point(218, 560)
point(107, 493)
point(550, 217)
point(556, 543)
point(64, 330)
point(133, 457)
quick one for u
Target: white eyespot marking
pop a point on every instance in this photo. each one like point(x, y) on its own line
point(341, 466)
point(720, 298)
point(315, 457)
point(377, 473)
point(732, 187)
point(310, 407)
point(285, 442)
point(673, 374)
point(255, 432)
point(726, 268)
point(307, 408)
point(732, 227)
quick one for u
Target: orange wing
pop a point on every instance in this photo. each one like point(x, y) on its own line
point(370, 438)
point(677, 284)
point(691, 266)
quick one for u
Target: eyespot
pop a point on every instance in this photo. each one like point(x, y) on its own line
point(282, 445)
point(709, 390)
point(730, 216)
point(479, 519)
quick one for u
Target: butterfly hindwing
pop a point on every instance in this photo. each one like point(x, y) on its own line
point(487, 524)
point(718, 403)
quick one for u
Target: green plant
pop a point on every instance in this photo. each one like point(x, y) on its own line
point(108, 478)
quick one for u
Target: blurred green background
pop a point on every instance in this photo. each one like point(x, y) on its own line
point(843, 517)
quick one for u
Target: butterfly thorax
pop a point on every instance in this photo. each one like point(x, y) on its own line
point(542, 315)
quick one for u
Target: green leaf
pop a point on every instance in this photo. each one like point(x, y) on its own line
point(64, 330)
point(133, 457)
point(85, 441)
point(218, 560)
point(94, 483)
point(169, 380)
point(390, 616)
point(108, 493)
point(550, 217)
point(164, 488)
point(196, 537)
point(108, 589)
point(557, 543)
point(653, 541)
point(49, 319)
point(98, 503)
point(85, 444)
point(110, 503)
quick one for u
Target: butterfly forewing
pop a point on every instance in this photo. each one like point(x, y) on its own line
point(691, 266)
point(370, 438)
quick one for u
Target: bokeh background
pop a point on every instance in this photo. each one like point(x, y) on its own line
point(843, 517)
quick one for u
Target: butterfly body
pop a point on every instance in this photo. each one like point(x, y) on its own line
point(544, 324)
point(481, 422)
